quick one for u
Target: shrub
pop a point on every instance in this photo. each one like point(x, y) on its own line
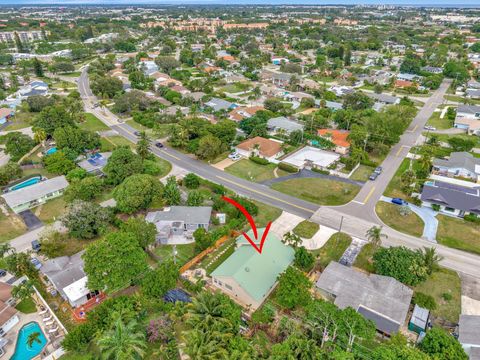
point(321, 171)
point(425, 301)
point(259, 160)
point(287, 167)
point(447, 296)
point(472, 218)
point(436, 207)
point(191, 181)
point(368, 162)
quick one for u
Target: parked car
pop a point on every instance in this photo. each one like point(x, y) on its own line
point(36, 263)
point(36, 246)
point(373, 176)
point(3, 272)
point(159, 145)
point(137, 133)
point(398, 201)
point(430, 127)
point(234, 156)
point(378, 170)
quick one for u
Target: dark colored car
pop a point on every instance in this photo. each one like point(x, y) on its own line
point(398, 201)
point(3, 272)
point(137, 133)
point(373, 176)
point(159, 145)
point(36, 246)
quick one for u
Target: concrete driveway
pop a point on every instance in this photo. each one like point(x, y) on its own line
point(221, 165)
point(285, 223)
point(31, 221)
point(319, 239)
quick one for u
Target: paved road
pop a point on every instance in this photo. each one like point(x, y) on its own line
point(356, 217)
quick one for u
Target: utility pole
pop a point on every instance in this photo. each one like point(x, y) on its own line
point(341, 223)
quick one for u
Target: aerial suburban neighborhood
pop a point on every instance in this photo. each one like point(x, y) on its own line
point(239, 181)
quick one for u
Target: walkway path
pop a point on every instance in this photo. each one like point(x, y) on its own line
point(285, 222)
point(428, 217)
point(319, 239)
point(311, 174)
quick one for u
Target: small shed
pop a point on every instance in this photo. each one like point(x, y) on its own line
point(419, 320)
point(175, 295)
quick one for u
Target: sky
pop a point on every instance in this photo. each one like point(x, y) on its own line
point(450, 3)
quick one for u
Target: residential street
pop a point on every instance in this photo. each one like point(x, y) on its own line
point(356, 217)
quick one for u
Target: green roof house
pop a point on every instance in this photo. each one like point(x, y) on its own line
point(249, 277)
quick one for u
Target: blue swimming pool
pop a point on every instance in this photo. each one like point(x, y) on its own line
point(51, 151)
point(26, 183)
point(22, 350)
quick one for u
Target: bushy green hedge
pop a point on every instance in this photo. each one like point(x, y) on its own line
point(424, 301)
point(321, 171)
point(287, 167)
point(259, 160)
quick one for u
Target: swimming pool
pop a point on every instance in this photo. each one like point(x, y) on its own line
point(28, 182)
point(22, 350)
point(51, 151)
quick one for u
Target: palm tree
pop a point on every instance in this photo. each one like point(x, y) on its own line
point(374, 235)
point(206, 345)
point(430, 258)
point(33, 338)
point(291, 239)
point(123, 341)
point(143, 145)
point(23, 291)
point(206, 313)
point(40, 136)
point(5, 249)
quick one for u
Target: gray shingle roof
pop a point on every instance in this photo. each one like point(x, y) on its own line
point(457, 197)
point(468, 109)
point(381, 295)
point(283, 123)
point(187, 214)
point(468, 329)
point(219, 104)
point(36, 191)
point(64, 270)
point(384, 98)
point(463, 160)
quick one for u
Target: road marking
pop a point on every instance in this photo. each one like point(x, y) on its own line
point(263, 194)
point(401, 147)
point(368, 196)
point(413, 130)
point(173, 156)
point(358, 202)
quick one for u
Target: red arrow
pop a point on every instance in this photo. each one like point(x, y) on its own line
point(252, 224)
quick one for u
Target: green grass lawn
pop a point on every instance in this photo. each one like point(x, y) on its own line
point(52, 210)
point(234, 88)
point(318, 191)
point(249, 170)
point(92, 123)
point(364, 258)
point(333, 249)
point(461, 99)
point(164, 165)
point(362, 173)
point(117, 141)
point(226, 249)
point(438, 123)
point(459, 234)
point(442, 282)
point(445, 137)
point(306, 229)
point(21, 120)
point(26, 306)
point(394, 186)
point(10, 227)
point(38, 171)
point(138, 126)
point(184, 252)
point(410, 224)
point(266, 213)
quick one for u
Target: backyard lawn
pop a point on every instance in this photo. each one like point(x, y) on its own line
point(92, 123)
point(184, 252)
point(266, 213)
point(10, 227)
point(21, 120)
point(459, 234)
point(410, 224)
point(51, 210)
point(26, 306)
point(438, 123)
point(333, 249)
point(364, 258)
point(442, 282)
point(362, 173)
point(306, 229)
point(249, 170)
point(318, 191)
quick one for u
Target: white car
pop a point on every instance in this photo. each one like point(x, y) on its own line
point(429, 127)
point(234, 156)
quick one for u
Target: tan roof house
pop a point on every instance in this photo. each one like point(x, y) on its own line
point(259, 146)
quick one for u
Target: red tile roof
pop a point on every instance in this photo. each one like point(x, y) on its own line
point(338, 137)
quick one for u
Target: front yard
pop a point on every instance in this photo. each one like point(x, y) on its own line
point(443, 282)
point(51, 210)
point(410, 224)
point(249, 170)
point(458, 233)
point(306, 229)
point(266, 213)
point(318, 191)
point(92, 123)
point(439, 123)
point(362, 173)
point(333, 249)
point(10, 227)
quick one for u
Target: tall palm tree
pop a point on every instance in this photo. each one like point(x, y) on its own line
point(40, 136)
point(33, 338)
point(292, 239)
point(5, 249)
point(430, 258)
point(374, 235)
point(206, 345)
point(206, 313)
point(143, 145)
point(122, 342)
